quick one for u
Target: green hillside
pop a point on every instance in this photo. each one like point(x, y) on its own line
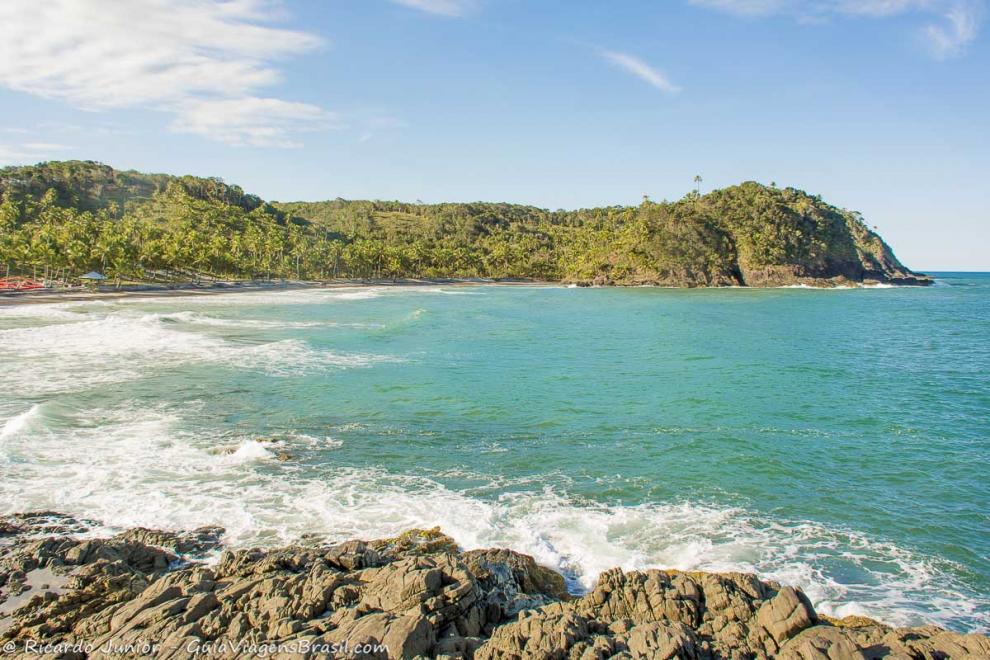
point(81, 215)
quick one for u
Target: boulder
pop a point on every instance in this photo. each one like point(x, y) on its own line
point(786, 614)
point(412, 596)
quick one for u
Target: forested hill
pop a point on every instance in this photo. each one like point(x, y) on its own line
point(81, 216)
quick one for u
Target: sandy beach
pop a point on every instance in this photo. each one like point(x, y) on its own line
point(39, 296)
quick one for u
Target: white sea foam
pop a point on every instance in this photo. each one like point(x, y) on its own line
point(249, 451)
point(195, 318)
point(261, 298)
point(120, 346)
point(845, 287)
point(321, 442)
point(363, 294)
point(140, 466)
point(18, 423)
point(459, 292)
point(41, 312)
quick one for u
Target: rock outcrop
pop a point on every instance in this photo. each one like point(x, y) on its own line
point(157, 594)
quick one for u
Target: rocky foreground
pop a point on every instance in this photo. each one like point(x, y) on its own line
point(154, 593)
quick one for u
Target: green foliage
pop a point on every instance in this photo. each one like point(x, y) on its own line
point(82, 216)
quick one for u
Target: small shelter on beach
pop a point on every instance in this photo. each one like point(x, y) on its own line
point(92, 278)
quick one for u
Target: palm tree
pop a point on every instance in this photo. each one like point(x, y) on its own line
point(697, 182)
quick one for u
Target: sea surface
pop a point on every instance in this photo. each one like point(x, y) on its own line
point(834, 439)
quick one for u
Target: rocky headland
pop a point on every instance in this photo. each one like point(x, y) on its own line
point(63, 219)
point(159, 594)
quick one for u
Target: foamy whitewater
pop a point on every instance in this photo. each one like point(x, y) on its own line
point(836, 442)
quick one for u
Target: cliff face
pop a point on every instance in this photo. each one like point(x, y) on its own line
point(415, 596)
point(751, 235)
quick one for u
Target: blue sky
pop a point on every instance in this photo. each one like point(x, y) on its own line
point(878, 105)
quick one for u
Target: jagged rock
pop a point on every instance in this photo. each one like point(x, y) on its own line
point(550, 632)
point(404, 636)
point(414, 596)
point(931, 642)
point(46, 523)
point(821, 643)
point(354, 555)
point(9, 528)
point(660, 641)
point(786, 614)
point(851, 621)
point(416, 541)
point(662, 614)
point(530, 577)
point(195, 543)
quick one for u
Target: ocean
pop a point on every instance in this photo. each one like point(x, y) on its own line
point(838, 440)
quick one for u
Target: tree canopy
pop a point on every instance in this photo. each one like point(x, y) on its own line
point(81, 215)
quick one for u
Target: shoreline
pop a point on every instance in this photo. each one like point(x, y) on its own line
point(417, 594)
point(39, 296)
point(192, 289)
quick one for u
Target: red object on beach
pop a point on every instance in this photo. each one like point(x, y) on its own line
point(19, 284)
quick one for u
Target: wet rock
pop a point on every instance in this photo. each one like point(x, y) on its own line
point(528, 576)
point(46, 523)
point(9, 528)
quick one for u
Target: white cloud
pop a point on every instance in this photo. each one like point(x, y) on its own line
point(375, 125)
point(175, 56)
point(30, 152)
point(950, 24)
point(640, 69)
point(440, 7)
point(960, 28)
point(251, 120)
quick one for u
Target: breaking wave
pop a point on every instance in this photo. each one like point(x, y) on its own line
point(128, 463)
point(138, 467)
point(119, 347)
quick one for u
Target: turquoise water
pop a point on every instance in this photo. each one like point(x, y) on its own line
point(833, 439)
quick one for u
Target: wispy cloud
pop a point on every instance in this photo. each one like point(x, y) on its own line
point(439, 7)
point(640, 69)
point(251, 121)
point(31, 152)
point(961, 26)
point(203, 61)
point(375, 125)
point(950, 25)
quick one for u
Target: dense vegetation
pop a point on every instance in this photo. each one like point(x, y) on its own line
point(77, 216)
